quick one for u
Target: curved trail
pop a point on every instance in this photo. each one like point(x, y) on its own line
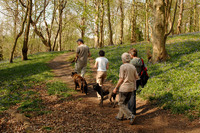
point(82, 114)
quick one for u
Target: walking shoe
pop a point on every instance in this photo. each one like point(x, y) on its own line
point(132, 119)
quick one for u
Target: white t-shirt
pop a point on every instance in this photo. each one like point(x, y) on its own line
point(102, 63)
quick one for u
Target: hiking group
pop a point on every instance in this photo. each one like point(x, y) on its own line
point(130, 77)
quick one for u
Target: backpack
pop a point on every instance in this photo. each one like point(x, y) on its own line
point(143, 75)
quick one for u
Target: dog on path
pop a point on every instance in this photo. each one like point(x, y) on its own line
point(80, 82)
point(103, 93)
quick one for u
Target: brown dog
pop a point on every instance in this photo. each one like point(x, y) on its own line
point(80, 82)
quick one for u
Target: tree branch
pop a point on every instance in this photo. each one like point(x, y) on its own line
point(173, 20)
point(22, 3)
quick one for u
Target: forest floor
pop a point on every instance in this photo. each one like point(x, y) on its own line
point(81, 113)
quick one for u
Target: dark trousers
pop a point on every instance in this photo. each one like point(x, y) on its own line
point(124, 98)
point(132, 101)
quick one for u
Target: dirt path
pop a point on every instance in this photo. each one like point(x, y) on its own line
point(84, 115)
point(81, 113)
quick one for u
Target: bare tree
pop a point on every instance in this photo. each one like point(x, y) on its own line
point(26, 34)
point(62, 4)
point(18, 36)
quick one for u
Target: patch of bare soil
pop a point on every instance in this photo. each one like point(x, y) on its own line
point(81, 113)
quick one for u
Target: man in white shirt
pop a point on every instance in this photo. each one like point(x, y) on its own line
point(102, 65)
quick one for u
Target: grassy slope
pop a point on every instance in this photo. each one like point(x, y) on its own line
point(18, 79)
point(174, 84)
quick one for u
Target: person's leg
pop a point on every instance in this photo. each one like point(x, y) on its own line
point(120, 114)
point(104, 77)
point(77, 67)
point(83, 71)
point(132, 103)
point(124, 109)
point(99, 81)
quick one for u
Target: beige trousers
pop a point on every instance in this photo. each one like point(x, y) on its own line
point(100, 78)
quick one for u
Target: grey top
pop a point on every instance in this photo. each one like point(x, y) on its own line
point(137, 62)
point(82, 51)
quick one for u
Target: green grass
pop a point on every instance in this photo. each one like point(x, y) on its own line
point(20, 80)
point(58, 88)
point(174, 84)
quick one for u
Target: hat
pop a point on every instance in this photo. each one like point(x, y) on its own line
point(80, 40)
point(126, 57)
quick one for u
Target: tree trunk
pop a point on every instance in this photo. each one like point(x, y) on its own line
point(121, 22)
point(83, 19)
point(16, 19)
point(180, 17)
point(147, 21)
point(15, 31)
point(109, 24)
point(60, 25)
point(133, 23)
point(26, 34)
point(199, 21)
point(159, 51)
point(191, 18)
point(97, 24)
point(195, 15)
point(161, 19)
point(101, 25)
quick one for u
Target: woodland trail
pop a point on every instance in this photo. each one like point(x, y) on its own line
point(80, 113)
point(83, 114)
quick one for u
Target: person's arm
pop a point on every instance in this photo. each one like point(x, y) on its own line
point(107, 66)
point(77, 52)
point(120, 81)
point(96, 65)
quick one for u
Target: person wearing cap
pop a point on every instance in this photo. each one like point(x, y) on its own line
point(126, 85)
point(82, 54)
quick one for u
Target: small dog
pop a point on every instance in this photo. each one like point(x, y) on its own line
point(80, 82)
point(103, 93)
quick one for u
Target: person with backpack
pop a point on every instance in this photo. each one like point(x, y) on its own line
point(140, 67)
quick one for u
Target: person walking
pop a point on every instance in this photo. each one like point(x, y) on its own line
point(126, 85)
point(137, 62)
point(102, 65)
point(82, 54)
